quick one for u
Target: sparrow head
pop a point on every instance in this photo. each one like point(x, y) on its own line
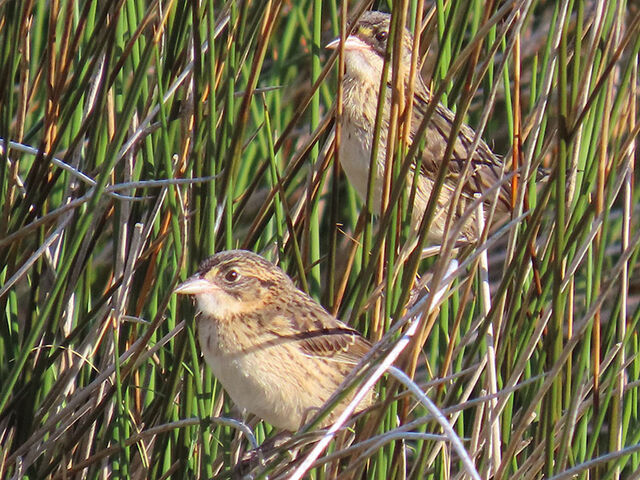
point(235, 282)
point(365, 47)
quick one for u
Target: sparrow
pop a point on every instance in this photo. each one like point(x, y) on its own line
point(364, 51)
point(276, 351)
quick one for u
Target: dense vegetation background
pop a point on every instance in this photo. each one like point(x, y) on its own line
point(138, 137)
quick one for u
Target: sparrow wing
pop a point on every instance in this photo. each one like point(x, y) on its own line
point(486, 167)
point(317, 333)
point(340, 344)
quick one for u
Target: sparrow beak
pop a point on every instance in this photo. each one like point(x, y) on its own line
point(351, 43)
point(194, 286)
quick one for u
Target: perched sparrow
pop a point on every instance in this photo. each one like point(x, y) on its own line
point(364, 52)
point(275, 350)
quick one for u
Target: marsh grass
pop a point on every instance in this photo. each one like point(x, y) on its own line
point(138, 137)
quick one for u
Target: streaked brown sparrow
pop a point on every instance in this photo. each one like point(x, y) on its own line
point(276, 351)
point(364, 51)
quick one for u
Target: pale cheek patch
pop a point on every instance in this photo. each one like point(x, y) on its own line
point(218, 304)
point(364, 64)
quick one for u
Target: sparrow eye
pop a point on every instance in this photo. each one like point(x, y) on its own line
point(381, 36)
point(231, 276)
